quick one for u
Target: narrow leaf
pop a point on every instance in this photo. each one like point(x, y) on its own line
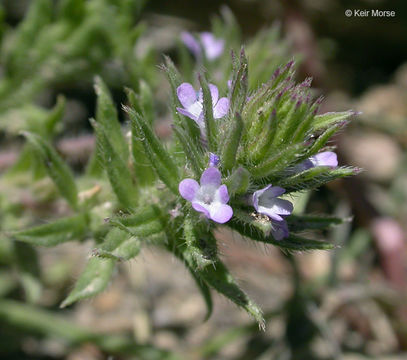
point(119, 245)
point(93, 280)
point(277, 162)
point(308, 222)
point(106, 116)
point(252, 228)
point(159, 157)
point(191, 149)
point(219, 277)
point(210, 125)
point(58, 232)
point(231, 143)
point(238, 182)
point(56, 168)
point(326, 120)
point(117, 171)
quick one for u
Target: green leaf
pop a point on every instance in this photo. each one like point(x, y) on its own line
point(106, 116)
point(144, 104)
point(210, 125)
point(55, 116)
point(26, 259)
point(259, 230)
point(159, 157)
point(93, 280)
point(239, 87)
point(118, 245)
point(260, 146)
point(238, 182)
point(60, 231)
point(311, 222)
point(200, 246)
point(192, 150)
point(56, 168)
point(231, 143)
point(143, 223)
point(277, 162)
point(315, 177)
point(118, 173)
point(144, 173)
point(205, 292)
point(39, 15)
point(321, 141)
point(219, 277)
point(326, 120)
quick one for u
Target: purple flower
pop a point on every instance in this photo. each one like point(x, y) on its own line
point(266, 202)
point(210, 197)
point(192, 102)
point(279, 229)
point(326, 158)
point(213, 159)
point(211, 46)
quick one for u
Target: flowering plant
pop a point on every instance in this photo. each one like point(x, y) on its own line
point(237, 161)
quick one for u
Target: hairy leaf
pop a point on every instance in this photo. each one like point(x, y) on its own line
point(56, 168)
point(93, 280)
point(60, 231)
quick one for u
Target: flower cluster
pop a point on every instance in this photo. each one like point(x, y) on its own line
point(210, 197)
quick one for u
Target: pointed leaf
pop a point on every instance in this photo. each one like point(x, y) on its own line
point(93, 280)
point(326, 120)
point(231, 143)
point(117, 171)
point(308, 222)
point(56, 168)
point(210, 125)
point(106, 116)
point(255, 229)
point(159, 157)
point(66, 229)
point(119, 245)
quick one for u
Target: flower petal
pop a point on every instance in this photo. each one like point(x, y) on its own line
point(214, 93)
point(211, 176)
point(188, 189)
point(276, 205)
point(270, 213)
point(186, 95)
point(191, 43)
point(213, 47)
point(187, 113)
point(257, 194)
point(220, 213)
point(221, 108)
point(213, 159)
point(279, 230)
point(198, 207)
point(222, 194)
point(326, 158)
point(274, 191)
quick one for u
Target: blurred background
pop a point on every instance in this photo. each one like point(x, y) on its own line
point(349, 303)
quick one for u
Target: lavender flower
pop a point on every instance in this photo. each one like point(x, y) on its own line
point(192, 102)
point(279, 229)
point(211, 46)
point(209, 197)
point(266, 202)
point(326, 158)
point(213, 159)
